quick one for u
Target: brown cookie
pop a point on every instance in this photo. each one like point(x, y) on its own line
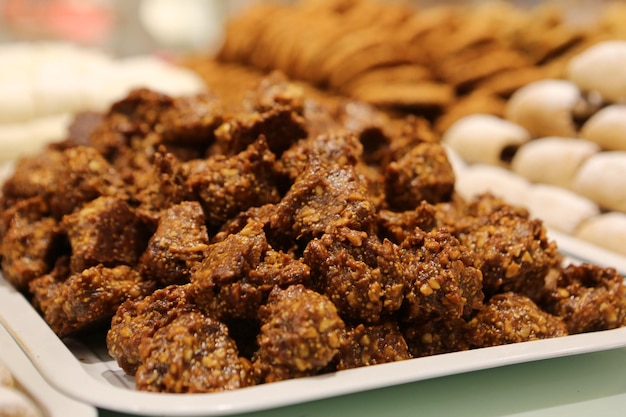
point(412, 73)
point(310, 58)
point(463, 74)
point(507, 82)
point(474, 33)
point(346, 49)
point(471, 104)
point(241, 34)
point(441, 19)
point(542, 46)
point(426, 94)
point(376, 56)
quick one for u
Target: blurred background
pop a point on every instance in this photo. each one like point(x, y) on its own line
point(132, 27)
point(121, 27)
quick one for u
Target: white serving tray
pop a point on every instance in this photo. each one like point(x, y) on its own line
point(582, 251)
point(85, 372)
point(50, 401)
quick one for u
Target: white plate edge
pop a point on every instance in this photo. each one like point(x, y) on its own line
point(587, 252)
point(52, 403)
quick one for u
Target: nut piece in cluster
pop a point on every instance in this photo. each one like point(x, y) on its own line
point(397, 226)
point(179, 243)
point(31, 176)
point(225, 186)
point(81, 176)
point(341, 147)
point(358, 272)
point(549, 107)
point(222, 281)
point(139, 318)
point(600, 68)
point(159, 185)
point(442, 281)
point(436, 337)
point(301, 334)
point(85, 299)
point(192, 354)
point(515, 252)
point(512, 318)
point(422, 174)
point(190, 120)
point(281, 126)
point(30, 241)
point(240, 271)
point(322, 198)
point(588, 298)
point(372, 345)
point(275, 91)
point(104, 231)
point(64, 179)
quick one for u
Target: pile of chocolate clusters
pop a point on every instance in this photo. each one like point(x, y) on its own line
point(290, 238)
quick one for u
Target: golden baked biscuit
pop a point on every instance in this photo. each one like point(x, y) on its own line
point(425, 94)
point(373, 57)
point(408, 73)
point(477, 102)
point(463, 73)
point(505, 83)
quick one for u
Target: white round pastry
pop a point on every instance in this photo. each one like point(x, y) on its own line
point(46, 130)
point(39, 79)
point(457, 163)
point(17, 100)
point(484, 138)
point(99, 88)
point(179, 82)
point(600, 68)
point(156, 74)
point(478, 179)
point(28, 138)
point(602, 178)
point(607, 128)
point(112, 83)
point(546, 107)
point(14, 139)
point(184, 23)
point(15, 404)
point(16, 57)
point(56, 90)
point(607, 230)
point(552, 160)
point(558, 208)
